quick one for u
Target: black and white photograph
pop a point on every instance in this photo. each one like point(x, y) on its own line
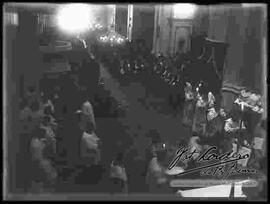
point(133, 101)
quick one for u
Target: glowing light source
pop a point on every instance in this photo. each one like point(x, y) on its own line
point(184, 10)
point(112, 37)
point(74, 18)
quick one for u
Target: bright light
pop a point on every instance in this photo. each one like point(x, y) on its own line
point(120, 40)
point(112, 37)
point(74, 18)
point(184, 11)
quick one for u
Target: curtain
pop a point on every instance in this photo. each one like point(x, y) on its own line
point(10, 18)
point(243, 29)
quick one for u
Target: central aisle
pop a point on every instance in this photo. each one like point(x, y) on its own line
point(143, 113)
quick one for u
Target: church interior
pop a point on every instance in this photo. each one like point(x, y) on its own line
point(147, 100)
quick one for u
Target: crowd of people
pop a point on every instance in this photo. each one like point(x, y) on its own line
point(168, 74)
point(196, 81)
point(58, 121)
point(58, 124)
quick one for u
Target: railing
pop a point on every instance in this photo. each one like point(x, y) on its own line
point(57, 47)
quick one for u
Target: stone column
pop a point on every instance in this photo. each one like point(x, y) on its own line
point(28, 59)
point(130, 22)
point(264, 74)
point(10, 101)
point(26, 70)
point(156, 29)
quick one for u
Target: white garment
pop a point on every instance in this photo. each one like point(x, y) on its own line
point(211, 114)
point(154, 166)
point(90, 140)
point(231, 126)
point(48, 103)
point(156, 173)
point(211, 99)
point(200, 102)
point(48, 169)
point(118, 172)
point(87, 110)
point(193, 145)
point(37, 146)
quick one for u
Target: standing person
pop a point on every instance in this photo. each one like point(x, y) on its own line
point(156, 177)
point(57, 101)
point(87, 111)
point(95, 75)
point(42, 170)
point(70, 96)
point(189, 105)
point(37, 145)
point(89, 75)
point(200, 120)
point(71, 137)
point(50, 135)
point(89, 148)
point(118, 175)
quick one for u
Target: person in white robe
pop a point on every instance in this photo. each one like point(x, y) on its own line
point(118, 175)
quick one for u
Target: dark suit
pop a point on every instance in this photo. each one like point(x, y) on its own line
point(89, 75)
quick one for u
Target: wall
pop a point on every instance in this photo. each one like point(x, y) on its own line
point(163, 29)
point(201, 20)
point(143, 23)
point(243, 28)
point(10, 104)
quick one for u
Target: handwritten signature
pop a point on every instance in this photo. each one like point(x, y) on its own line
point(184, 154)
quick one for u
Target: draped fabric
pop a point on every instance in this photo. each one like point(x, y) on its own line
point(242, 28)
point(43, 22)
point(11, 18)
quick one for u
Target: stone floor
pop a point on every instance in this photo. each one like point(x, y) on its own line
point(139, 111)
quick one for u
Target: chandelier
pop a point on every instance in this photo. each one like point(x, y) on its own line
point(112, 37)
point(96, 26)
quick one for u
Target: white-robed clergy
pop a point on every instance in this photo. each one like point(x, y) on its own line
point(118, 175)
point(87, 113)
point(41, 165)
point(156, 177)
point(89, 147)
